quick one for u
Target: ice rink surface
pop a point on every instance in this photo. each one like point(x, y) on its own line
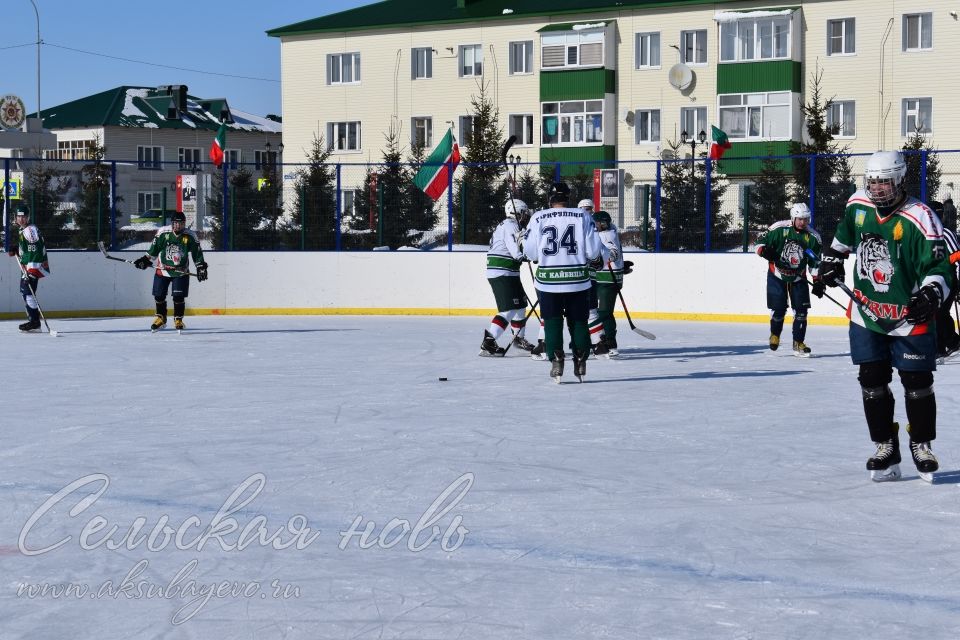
point(699, 487)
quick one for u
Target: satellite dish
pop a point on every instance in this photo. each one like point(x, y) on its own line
point(627, 179)
point(680, 76)
point(668, 154)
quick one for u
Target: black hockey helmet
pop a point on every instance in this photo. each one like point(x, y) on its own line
point(602, 220)
point(559, 193)
point(178, 217)
point(23, 210)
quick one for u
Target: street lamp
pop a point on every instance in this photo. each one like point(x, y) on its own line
point(687, 139)
point(39, 115)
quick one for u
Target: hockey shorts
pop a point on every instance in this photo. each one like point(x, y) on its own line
point(777, 294)
point(905, 353)
point(181, 286)
point(508, 292)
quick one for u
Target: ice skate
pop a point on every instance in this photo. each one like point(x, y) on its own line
point(539, 351)
point(178, 324)
point(800, 349)
point(612, 346)
point(580, 365)
point(523, 343)
point(924, 459)
point(601, 348)
point(158, 323)
point(885, 463)
point(774, 342)
point(30, 325)
point(556, 367)
point(489, 347)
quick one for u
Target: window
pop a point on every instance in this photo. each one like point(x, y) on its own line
point(522, 126)
point(579, 49)
point(753, 116)
point(343, 68)
point(842, 118)
point(466, 130)
point(917, 116)
point(343, 136)
point(648, 51)
point(188, 157)
point(231, 158)
point(263, 159)
point(917, 31)
point(841, 37)
point(693, 120)
point(149, 157)
point(521, 57)
point(646, 122)
point(577, 122)
point(147, 200)
point(755, 39)
point(471, 60)
point(421, 66)
point(422, 132)
point(693, 47)
point(72, 150)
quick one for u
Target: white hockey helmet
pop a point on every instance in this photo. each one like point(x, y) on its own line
point(800, 210)
point(884, 168)
point(515, 207)
point(586, 202)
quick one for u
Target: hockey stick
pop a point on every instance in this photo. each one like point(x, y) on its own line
point(133, 262)
point(829, 297)
point(33, 292)
point(525, 318)
point(634, 328)
point(513, 188)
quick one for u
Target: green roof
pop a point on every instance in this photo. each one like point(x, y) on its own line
point(406, 13)
point(151, 108)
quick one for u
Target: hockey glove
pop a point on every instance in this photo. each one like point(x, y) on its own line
point(924, 304)
point(768, 253)
point(202, 271)
point(614, 254)
point(143, 262)
point(831, 268)
point(627, 267)
point(596, 264)
point(818, 288)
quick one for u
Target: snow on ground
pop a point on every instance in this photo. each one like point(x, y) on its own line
point(700, 487)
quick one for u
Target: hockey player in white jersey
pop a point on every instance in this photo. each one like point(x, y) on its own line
point(503, 273)
point(608, 280)
point(562, 242)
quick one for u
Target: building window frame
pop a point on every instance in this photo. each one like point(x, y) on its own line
point(574, 123)
point(521, 58)
point(188, 157)
point(646, 125)
point(149, 157)
point(470, 60)
point(646, 50)
point(343, 68)
point(465, 130)
point(147, 200)
point(422, 124)
point(521, 125)
point(421, 63)
point(754, 114)
point(693, 47)
point(344, 136)
point(917, 32)
point(563, 50)
point(756, 39)
point(916, 110)
point(841, 37)
point(693, 120)
point(841, 118)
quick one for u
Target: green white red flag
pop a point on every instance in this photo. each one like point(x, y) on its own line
point(433, 176)
point(219, 143)
point(720, 143)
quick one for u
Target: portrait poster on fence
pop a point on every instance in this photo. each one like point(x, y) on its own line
point(187, 198)
point(608, 192)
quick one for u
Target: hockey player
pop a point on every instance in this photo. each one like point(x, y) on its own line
point(32, 253)
point(172, 248)
point(586, 204)
point(602, 324)
point(563, 241)
point(503, 273)
point(948, 342)
point(785, 247)
point(901, 276)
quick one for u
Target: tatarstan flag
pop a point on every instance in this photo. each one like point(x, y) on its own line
point(216, 149)
point(433, 176)
point(720, 143)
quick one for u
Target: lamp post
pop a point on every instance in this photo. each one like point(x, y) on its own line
point(701, 138)
point(39, 115)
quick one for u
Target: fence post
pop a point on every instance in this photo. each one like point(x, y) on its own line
point(6, 205)
point(746, 217)
point(226, 232)
point(233, 213)
point(708, 203)
point(163, 206)
point(99, 213)
point(923, 176)
point(656, 206)
point(813, 187)
point(645, 199)
point(464, 194)
point(303, 217)
point(379, 213)
point(450, 205)
point(113, 204)
point(556, 172)
point(337, 214)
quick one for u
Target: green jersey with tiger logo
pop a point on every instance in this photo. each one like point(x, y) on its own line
point(791, 248)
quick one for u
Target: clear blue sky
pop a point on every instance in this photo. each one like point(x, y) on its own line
point(220, 38)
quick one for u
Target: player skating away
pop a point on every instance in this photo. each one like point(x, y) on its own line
point(503, 273)
point(602, 324)
point(563, 241)
point(785, 246)
point(172, 248)
point(32, 253)
point(901, 274)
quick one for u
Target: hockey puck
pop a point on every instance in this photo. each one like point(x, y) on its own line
point(442, 379)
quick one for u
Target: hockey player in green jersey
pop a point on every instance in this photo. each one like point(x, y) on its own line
point(172, 248)
point(607, 283)
point(785, 247)
point(503, 273)
point(32, 253)
point(900, 276)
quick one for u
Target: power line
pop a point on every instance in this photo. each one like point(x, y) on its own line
point(17, 46)
point(154, 64)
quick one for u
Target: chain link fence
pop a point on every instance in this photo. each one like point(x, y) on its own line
point(678, 205)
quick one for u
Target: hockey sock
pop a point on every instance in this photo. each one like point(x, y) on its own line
point(542, 334)
point(497, 326)
point(161, 307)
point(776, 322)
point(553, 328)
point(799, 326)
point(580, 336)
point(517, 323)
point(179, 306)
point(595, 326)
point(921, 404)
point(878, 401)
